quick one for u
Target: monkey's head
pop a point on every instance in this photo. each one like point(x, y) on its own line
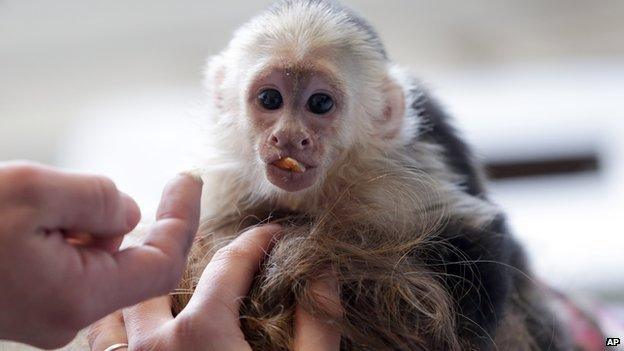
point(301, 86)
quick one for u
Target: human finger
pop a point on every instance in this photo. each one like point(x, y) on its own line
point(228, 277)
point(313, 333)
point(148, 270)
point(72, 202)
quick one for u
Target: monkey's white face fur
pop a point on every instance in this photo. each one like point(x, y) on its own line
point(295, 83)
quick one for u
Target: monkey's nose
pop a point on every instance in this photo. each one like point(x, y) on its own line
point(297, 140)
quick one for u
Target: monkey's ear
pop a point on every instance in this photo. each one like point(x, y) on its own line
point(391, 123)
point(213, 80)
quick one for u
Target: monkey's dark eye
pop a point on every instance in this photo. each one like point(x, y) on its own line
point(270, 99)
point(320, 103)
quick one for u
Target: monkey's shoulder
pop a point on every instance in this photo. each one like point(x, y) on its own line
point(435, 126)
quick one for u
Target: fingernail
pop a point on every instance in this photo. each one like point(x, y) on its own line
point(133, 213)
point(276, 229)
point(196, 174)
point(272, 226)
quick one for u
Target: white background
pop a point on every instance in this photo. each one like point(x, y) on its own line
point(113, 87)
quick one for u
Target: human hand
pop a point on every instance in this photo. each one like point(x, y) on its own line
point(211, 319)
point(59, 265)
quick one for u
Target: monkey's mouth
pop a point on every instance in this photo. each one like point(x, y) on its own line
point(290, 164)
point(291, 174)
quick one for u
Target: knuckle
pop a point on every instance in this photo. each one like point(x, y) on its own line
point(25, 179)
point(106, 194)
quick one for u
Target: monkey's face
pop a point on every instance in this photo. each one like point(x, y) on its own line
point(294, 115)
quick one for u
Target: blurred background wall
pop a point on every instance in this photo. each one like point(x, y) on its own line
point(537, 86)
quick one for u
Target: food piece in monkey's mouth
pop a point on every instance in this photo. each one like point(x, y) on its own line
point(291, 175)
point(290, 164)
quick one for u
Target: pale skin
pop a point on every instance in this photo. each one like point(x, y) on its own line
point(211, 320)
point(60, 266)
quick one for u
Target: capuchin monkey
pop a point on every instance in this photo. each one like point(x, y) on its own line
point(312, 126)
